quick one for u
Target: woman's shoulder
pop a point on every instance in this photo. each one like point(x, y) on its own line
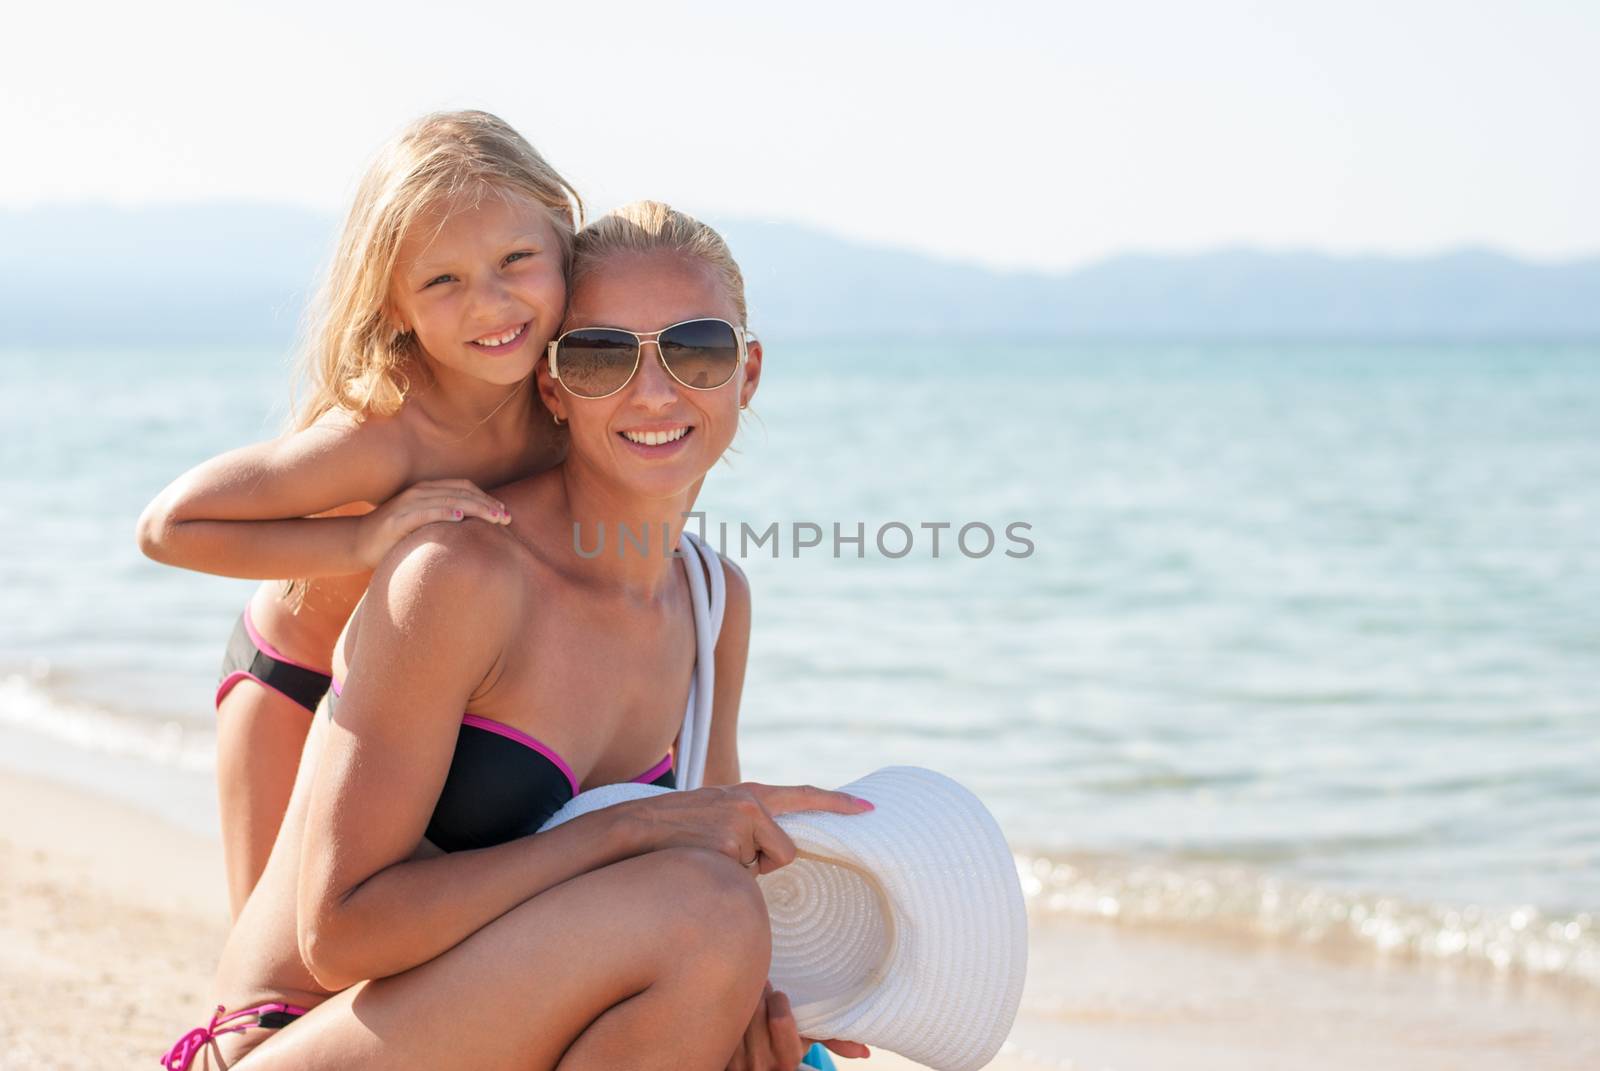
point(733, 578)
point(735, 615)
point(736, 611)
point(469, 565)
point(738, 585)
point(446, 586)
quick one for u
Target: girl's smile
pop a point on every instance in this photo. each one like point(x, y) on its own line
point(500, 343)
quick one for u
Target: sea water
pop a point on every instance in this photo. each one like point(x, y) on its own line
point(1294, 640)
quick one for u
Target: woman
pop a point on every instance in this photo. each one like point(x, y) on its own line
point(403, 919)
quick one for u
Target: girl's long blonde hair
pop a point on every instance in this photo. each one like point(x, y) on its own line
point(353, 358)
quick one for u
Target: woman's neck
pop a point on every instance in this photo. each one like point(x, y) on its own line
point(623, 538)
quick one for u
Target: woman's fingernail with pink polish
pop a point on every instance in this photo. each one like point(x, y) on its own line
point(865, 803)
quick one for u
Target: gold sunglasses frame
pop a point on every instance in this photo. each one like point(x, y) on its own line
point(741, 335)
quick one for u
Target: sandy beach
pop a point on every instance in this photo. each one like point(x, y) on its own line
point(110, 922)
point(111, 918)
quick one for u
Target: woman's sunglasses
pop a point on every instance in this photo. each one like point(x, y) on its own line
point(594, 362)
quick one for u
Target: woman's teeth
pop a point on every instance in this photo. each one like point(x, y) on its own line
point(501, 340)
point(655, 438)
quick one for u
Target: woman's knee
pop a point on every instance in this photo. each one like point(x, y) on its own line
point(710, 901)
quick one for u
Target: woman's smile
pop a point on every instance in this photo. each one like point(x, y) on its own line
point(657, 440)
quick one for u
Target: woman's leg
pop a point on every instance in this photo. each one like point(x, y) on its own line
point(656, 962)
point(260, 734)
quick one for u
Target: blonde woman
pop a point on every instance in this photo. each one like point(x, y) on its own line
point(410, 916)
point(450, 278)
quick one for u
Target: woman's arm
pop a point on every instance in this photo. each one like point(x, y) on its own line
point(249, 513)
point(440, 614)
point(433, 626)
point(733, 649)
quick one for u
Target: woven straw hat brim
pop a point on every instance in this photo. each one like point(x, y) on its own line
point(956, 940)
point(903, 928)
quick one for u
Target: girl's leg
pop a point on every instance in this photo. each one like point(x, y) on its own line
point(655, 962)
point(260, 734)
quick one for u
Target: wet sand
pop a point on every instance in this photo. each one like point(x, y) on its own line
point(111, 919)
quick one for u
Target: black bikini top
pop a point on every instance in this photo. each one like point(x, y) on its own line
point(504, 784)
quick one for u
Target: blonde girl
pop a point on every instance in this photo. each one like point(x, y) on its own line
point(449, 279)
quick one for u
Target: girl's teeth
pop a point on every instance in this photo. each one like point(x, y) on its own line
point(502, 339)
point(655, 438)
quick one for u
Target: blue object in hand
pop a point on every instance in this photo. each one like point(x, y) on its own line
point(818, 1057)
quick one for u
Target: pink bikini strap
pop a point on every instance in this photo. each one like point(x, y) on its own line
point(181, 1055)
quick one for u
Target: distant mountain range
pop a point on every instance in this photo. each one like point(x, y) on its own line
point(242, 272)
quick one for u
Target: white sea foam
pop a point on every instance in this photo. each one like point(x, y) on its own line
point(1241, 901)
point(27, 704)
point(1228, 899)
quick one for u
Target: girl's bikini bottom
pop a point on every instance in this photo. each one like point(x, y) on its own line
point(251, 657)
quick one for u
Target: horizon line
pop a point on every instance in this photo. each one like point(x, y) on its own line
point(1463, 247)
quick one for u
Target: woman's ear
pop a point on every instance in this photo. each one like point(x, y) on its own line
point(549, 392)
point(752, 372)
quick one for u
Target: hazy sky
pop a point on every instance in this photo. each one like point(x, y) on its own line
point(1041, 134)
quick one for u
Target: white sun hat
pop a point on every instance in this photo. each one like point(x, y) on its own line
point(902, 928)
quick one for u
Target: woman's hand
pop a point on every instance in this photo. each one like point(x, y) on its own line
point(850, 1050)
point(772, 1042)
point(420, 504)
point(736, 820)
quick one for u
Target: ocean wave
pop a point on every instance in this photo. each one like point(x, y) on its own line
point(1215, 896)
point(28, 702)
point(1239, 901)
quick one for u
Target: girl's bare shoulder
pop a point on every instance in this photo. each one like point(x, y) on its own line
point(382, 443)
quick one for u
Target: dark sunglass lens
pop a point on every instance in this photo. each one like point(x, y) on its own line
point(701, 353)
point(595, 361)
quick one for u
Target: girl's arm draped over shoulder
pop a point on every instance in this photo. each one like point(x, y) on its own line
point(246, 513)
point(733, 649)
point(249, 513)
point(441, 609)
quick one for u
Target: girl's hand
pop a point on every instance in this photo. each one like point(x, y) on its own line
point(420, 504)
point(736, 820)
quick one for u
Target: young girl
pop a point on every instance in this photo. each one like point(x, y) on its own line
point(449, 280)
